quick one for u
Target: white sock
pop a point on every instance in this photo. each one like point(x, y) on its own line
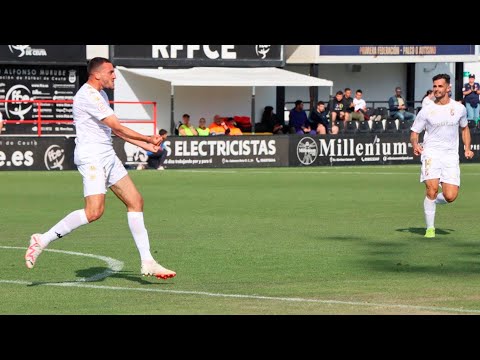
point(429, 207)
point(440, 200)
point(140, 234)
point(65, 226)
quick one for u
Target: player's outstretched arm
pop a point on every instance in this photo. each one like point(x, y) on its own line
point(417, 148)
point(467, 142)
point(129, 134)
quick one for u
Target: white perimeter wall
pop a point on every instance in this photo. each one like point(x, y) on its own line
point(196, 101)
point(424, 72)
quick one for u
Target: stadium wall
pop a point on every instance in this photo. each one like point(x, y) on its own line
point(56, 153)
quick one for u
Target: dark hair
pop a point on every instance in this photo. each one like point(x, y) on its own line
point(162, 132)
point(268, 108)
point(320, 103)
point(347, 89)
point(298, 102)
point(339, 92)
point(445, 77)
point(186, 116)
point(95, 63)
point(429, 91)
point(359, 91)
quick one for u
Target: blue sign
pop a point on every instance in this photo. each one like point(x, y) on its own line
point(395, 50)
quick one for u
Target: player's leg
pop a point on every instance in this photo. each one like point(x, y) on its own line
point(450, 180)
point(429, 206)
point(124, 188)
point(94, 192)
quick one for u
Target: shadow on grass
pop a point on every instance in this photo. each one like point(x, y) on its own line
point(421, 231)
point(89, 276)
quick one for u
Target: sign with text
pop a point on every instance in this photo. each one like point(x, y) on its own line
point(38, 82)
point(23, 153)
point(197, 55)
point(349, 54)
point(216, 151)
point(43, 54)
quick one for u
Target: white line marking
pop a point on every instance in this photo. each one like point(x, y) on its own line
point(113, 264)
point(252, 297)
point(117, 265)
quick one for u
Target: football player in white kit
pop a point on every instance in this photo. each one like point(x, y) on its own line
point(100, 167)
point(439, 151)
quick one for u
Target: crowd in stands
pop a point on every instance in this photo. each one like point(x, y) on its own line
point(343, 113)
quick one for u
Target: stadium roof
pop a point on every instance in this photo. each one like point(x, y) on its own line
point(227, 76)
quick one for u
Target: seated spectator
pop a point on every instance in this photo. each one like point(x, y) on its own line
point(186, 129)
point(156, 159)
point(352, 114)
point(397, 106)
point(319, 121)
point(298, 120)
point(232, 125)
point(202, 128)
point(219, 126)
point(270, 122)
point(337, 107)
point(360, 106)
point(428, 98)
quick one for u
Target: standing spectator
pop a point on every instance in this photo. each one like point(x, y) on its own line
point(397, 106)
point(352, 114)
point(298, 120)
point(428, 98)
point(360, 106)
point(470, 96)
point(186, 129)
point(337, 107)
point(319, 121)
point(202, 128)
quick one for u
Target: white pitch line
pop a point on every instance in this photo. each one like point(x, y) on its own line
point(114, 265)
point(251, 297)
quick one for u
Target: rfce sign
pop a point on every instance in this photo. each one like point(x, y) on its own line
point(226, 52)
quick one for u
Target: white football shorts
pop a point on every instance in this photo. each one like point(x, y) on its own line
point(100, 174)
point(445, 168)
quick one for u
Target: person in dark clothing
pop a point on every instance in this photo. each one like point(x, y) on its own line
point(471, 90)
point(270, 122)
point(319, 121)
point(298, 120)
point(338, 108)
point(156, 160)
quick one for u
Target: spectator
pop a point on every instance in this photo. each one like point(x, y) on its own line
point(186, 129)
point(428, 98)
point(156, 159)
point(360, 106)
point(470, 97)
point(218, 126)
point(232, 126)
point(202, 128)
point(352, 114)
point(337, 107)
point(270, 122)
point(397, 106)
point(298, 120)
point(1, 123)
point(319, 121)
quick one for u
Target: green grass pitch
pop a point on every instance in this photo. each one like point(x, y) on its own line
point(322, 240)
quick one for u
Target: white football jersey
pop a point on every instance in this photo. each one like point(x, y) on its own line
point(94, 138)
point(441, 123)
